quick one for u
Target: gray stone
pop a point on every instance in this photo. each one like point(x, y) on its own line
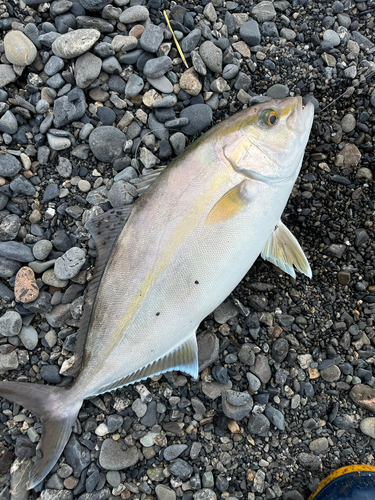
point(332, 37)
point(225, 311)
point(113, 457)
point(198, 63)
point(112, 66)
point(86, 69)
point(8, 267)
point(19, 49)
point(29, 337)
point(162, 84)
point(199, 116)
point(190, 42)
point(348, 123)
point(134, 14)
point(77, 456)
point(163, 492)
point(236, 405)
point(8, 361)
point(181, 469)
point(42, 249)
point(151, 38)
point(261, 368)
point(69, 107)
point(254, 382)
point(54, 494)
point(53, 65)
point(166, 102)
point(51, 192)
point(230, 71)
point(42, 107)
point(107, 143)
point(309, 461)
point(264, 11)
point(212, 56)
point(7, 75)
point(10, 323)
point(208, 349)
point(134, 85)
point(16, 251)
point(9, 227)
point(278, 91)
point(6, 293)
point(249, 32)
point(8, 123)
point(75, 43)
point(9, 165)
point(275, 417)
point(174, 451)
point(258, 424)
point(20, 185)
point(178, 142)
point(64, 167)
point(69, 265)
point(156, 68)
point(205, 494)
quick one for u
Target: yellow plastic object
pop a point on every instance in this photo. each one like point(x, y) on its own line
point(349, 469)
point(175, 39)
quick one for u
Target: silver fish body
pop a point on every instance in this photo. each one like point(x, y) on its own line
point(187, 242)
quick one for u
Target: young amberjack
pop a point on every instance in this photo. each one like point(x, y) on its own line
point(166, 262)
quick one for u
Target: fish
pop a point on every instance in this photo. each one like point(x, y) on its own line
point(167, 261)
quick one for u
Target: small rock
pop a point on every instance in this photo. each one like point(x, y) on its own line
point(199, 116)
point(19, 49)
point(113, 457)
point(25, 287)
point(250, 33)
point(211, 56)
point(107, 143)
point(75, 43)
point(261, 368)
point(134, 14)
point(69, 265)
point(190, 83)
point(29, 337)
point(236, 405)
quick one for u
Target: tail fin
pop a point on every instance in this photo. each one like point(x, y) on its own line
point(57, 410)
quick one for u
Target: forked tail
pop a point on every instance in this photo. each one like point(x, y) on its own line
point(57, 410)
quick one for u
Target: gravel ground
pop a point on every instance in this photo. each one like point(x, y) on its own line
point(284, 360)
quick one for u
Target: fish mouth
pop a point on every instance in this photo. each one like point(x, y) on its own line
point(300, 119)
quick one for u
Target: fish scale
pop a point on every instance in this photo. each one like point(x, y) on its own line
point(169, 260)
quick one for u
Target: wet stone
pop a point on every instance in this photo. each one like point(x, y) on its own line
point(280, 349)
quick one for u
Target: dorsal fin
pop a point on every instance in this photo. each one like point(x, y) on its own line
point(104, 229)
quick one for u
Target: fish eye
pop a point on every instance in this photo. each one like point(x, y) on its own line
point(269, 117)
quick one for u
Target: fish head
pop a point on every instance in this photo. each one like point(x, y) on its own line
point(267, 141)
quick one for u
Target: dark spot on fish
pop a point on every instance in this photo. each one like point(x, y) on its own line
point(158, 313)
point(196, 282)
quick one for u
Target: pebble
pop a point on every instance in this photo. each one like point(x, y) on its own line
point(69, 108)
point(236, 405)
point(25, 288)
point(151, 38)
point(264, 11)
point(134, 85)
point(42, 249)
point(363, 395)
point(113, 457)
point(134, 14)
point(10, 323)
point(107, 143)
point(9, 165)
point(199, 116)
point(275, 417)
point(205, 494)
point(163, 492)
point(19, 49)
point(75, 43)
point(261, 368)
point(181, 469)
point(250, 33)
point(49, 278)
point(348, 123)
point(156, 68)
point(174, 451)
point(7, 75)
point(190, 42)
point(367, 426)
point(29, 337)
point(190, 83)
point(8, 123)
point(212, 56)
point(162, 84)
point(70, 264)
point(87, 68)
point(16, 251)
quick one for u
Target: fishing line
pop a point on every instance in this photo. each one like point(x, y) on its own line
point(371, 71)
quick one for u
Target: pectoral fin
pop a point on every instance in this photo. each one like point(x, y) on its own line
point(283, 250)
point(230, 204)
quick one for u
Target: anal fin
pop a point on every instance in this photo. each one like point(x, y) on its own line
point(283, 250)
point(184, 358)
